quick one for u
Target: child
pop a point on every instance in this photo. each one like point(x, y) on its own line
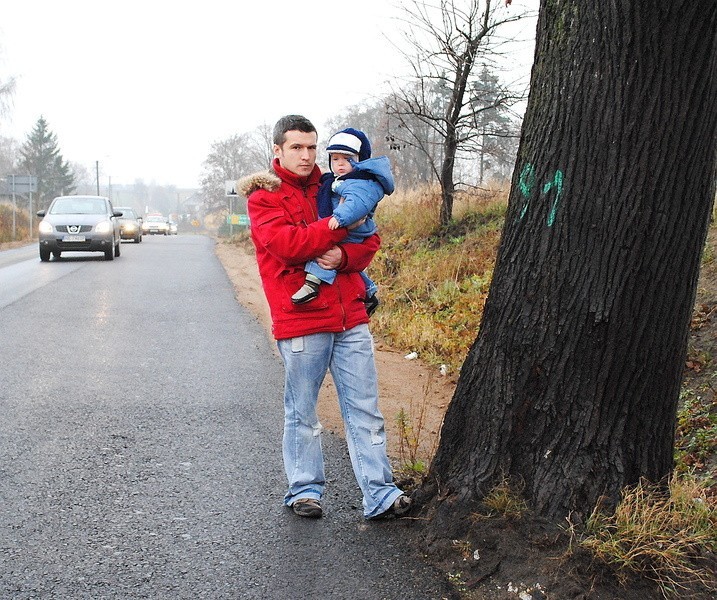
point(349, 193)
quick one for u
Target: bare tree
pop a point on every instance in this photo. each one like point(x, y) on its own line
point(9, 152)
point(447, 40)
point(260, 145)
point(228, 160)
point(571, 387)
point(7, 90)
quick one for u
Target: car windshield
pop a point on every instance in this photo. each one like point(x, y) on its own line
point(127, 213)
point(78, 206)
point(157, 219)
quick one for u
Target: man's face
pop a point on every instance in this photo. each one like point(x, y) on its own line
point(298, 152)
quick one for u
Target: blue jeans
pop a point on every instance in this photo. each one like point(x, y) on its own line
point(349, 357)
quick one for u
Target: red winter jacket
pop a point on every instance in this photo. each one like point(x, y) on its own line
point(286, 233)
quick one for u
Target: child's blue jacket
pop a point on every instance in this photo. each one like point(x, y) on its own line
point(362, 195)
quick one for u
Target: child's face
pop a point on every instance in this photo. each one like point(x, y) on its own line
point(340, 164)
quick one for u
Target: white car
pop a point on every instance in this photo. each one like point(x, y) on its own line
point(155, 225)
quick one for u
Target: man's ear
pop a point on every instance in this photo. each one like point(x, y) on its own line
point(277, 150)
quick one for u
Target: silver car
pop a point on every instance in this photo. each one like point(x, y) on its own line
point(79, 224)
point(130, 224)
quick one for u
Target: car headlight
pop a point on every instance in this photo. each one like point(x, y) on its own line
point(45, 227)
point(130, 226)
point(103, 227)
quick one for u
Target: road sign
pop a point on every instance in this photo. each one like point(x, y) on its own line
point(22, 184)
point(230, 188)
point(238, 220)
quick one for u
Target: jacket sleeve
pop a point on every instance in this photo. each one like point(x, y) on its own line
point(357, 257)
point(290, 243)
point(361, 197)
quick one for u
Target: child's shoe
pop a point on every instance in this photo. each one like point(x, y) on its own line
point(308, 291)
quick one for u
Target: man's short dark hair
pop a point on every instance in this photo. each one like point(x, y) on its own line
point(291, 123)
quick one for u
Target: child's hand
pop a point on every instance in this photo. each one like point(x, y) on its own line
point(333, 223)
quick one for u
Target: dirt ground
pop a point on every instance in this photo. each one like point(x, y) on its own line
point(404, 384)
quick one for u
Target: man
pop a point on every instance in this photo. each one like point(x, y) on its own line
point(329, 333)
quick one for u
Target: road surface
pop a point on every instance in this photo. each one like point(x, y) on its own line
point(140, 444)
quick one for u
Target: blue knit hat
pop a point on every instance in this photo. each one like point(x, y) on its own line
point(350, 141)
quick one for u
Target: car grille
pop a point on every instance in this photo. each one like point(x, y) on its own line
point(83, 228)
point(73, 245)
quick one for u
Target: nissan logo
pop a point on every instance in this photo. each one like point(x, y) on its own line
point(73, 229)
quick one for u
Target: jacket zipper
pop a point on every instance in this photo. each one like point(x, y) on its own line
point(313, 208)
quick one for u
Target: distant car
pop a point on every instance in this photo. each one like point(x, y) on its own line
point(79, 224)
point(155, 225)
point(130, 224)
point(173, 229)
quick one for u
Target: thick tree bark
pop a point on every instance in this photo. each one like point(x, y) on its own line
point(572, 385)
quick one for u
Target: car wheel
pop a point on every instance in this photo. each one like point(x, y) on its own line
point(117, 248)
point(56, 254)
point(44, 254)
point(110, 253)
point(137, 239)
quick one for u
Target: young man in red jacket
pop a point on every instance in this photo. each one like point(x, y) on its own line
point(329, 333)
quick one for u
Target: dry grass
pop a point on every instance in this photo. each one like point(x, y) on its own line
point(659, 534)
point(433, 282)
point(22, 224)
point(411, 432)
point(505, 500)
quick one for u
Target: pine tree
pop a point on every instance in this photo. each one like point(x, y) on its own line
point(40, 156)
point(497, 143)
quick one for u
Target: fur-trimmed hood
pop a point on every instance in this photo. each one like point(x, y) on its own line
point(266, 180)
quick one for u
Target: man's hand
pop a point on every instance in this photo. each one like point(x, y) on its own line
point(331, 259)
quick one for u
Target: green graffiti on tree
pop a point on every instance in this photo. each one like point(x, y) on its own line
point(527, 181)
point(526, 184)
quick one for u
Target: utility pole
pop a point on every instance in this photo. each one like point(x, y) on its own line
point(97, 174)
point(14, 208)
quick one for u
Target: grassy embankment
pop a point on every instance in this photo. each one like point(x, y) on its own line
point(433, 285)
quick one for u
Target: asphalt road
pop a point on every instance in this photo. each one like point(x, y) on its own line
point(140, 428)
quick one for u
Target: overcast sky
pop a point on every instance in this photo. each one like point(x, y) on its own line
point(145, 86)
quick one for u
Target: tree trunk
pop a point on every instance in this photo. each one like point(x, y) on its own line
point(447, 184)
point(572, 385)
